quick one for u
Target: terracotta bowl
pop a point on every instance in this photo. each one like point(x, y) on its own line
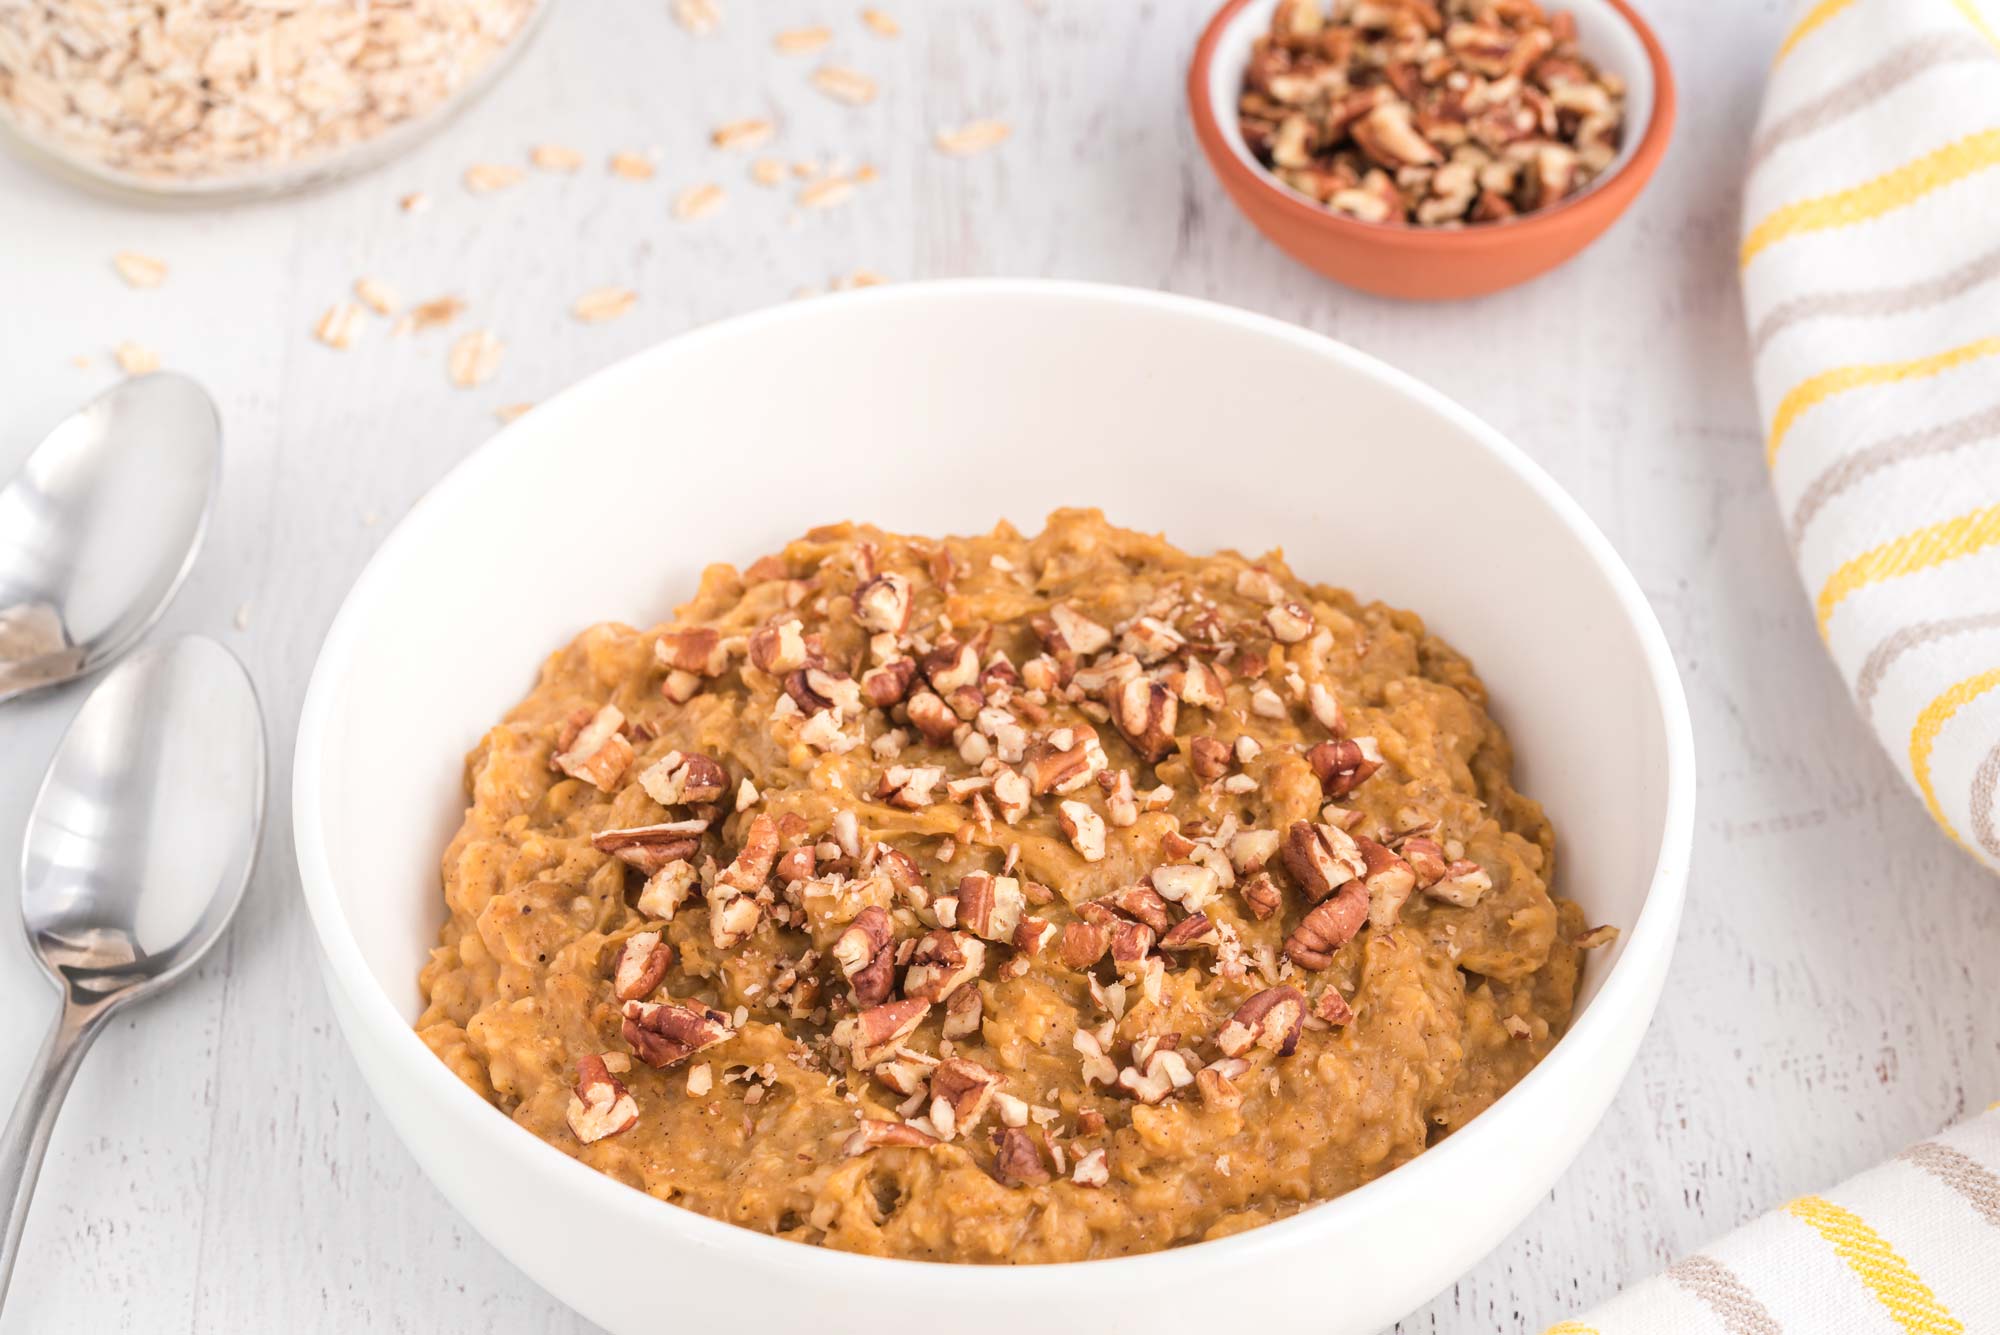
point(1435, 263)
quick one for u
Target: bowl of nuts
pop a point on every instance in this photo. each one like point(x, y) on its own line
point(1431, 149)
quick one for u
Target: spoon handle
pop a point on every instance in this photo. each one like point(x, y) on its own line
point(27, 1135)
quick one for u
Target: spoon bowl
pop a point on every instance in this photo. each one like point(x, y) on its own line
point(101, 526)
point(138, 850)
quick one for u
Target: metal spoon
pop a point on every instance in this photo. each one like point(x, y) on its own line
point(138, 848)
point(101, 526)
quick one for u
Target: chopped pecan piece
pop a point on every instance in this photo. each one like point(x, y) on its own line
point(780, 649)
point(1199, 683)
point(883, 604)
point(1092, 1170)
point(1261, 896)
point(642, 963)
point(911, 787)
point(1083, 944)
point(1166, 1071)
point(990, 906)
point(666, 890)
point(932, 717)
point(651, 847)
point(1191, 886)
point(1142, 903)
point(1464, 884)
point(943, 962)
point(1063, 761)
point(951, 666)
point(1011, 794)
point(1131, 943)
point(597, 753)
point(1209, 757)
point(1251, 850)
point(1150, 640)
point(962, 1013)
point(1342, 766)
point(684, 778)
point(1098, 1068)
point(1191, 933)
point(816, 689)
point(1327, 928)
point(1289, 623)
point(1331, 1007)
point(669, 1032)
point(960, 1093)
point(1325, 706)
point(1426, 858)
point(866, 954)
point(1078, 633)
point(1084, 827)
point(751, 867)
point(732, 915)
point(1389, 880)
point(877, 1033)
point(1595, 938)
point(1017, 1161)
point(1270, 1020)
point(1145, 711)
point(601, 1105)
point(872, 1133)
point(1216, 1082)
point(698, 649)
point(886, 684)
point(1321, 858)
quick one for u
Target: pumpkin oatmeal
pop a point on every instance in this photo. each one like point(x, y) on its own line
point(1000, 899)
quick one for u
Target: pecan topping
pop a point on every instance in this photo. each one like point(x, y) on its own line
point(1595, 938)
point(651, 847)
point(1190, 933)
point(1098, 1068)
point(1325, 707)
point(1142, 903)
point(818, 689)
point(962, 1012)
point(1389, 881)
point(1464, 884)
point(597, 752)
point(698, 650)
point(951, 666)
point(1209, 757)
point(1131, 943)
point(1216, 1082)
point(1063, 761)
point(910, 787)
point(752, 864)
point(1269, 1020)
point(943, 962)
point(780, 649)
point(1150, 640)
point(1261, 896)
point(1083, 944)
point(684, 778)
point(670, 1032)
point(666, 890)
point(1165, 1072)
point(642, 963)
point(1426, 858)
point(1251, 850)
point(1017, 1162)
point(1259, 585)
point(1332, 1008)
point(1192, 887)
point(1079, 634)
point(1321, 858)
point(1033, 936)
point(1343, 765)
point(883, 604)
point(1327, 928)
point(877, 1033)
point(888, 683)
point(1289, 623)
point(1011, 794)
point(1084, 827)
point(601, 1105)
point(872, 1133)
point(960, 1093)
point(932, 717)
point(1092, 1170)
point(1145, 712)
point(866, 954)
point(990, 906)
point(1199, 683)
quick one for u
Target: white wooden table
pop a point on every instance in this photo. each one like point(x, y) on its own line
point(220, 1167)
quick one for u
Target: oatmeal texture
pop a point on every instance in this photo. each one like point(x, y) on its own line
point(1000, 899)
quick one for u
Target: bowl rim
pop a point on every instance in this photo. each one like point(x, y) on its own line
point(1649, 940)
point(1614, 190)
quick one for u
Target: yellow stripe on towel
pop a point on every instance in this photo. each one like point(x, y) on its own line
point(1886, 193)
point(1978, 20)
point(1844, 378)
point(1930, 723)
point(1906, 1298)
point(1570, 1328)
point(1819, 14)
point(1934, 544)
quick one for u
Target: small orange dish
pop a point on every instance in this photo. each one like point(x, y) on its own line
point(1433, 263)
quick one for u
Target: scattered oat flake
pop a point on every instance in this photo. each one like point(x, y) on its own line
point(484, 177)
point(883, 25)
point(377, 295)
point(555, 157)
point(508, 412)
point(436, 312)
point(604, 303)
point(415, 202)
point(632, 166)
point(474, 358)
point(243, 616)
point(698, 201)
point(866, 174)
point(751, 133)
point(340, 326)
point(794, 40)
point(973, 137)
point(805, 171)
point(863, 278)
point(136, 358)
point(700, 17)
point(767, 171)
point(844, 85)
point(139, 270)
point(829, 193)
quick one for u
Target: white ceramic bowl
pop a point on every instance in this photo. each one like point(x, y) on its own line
point(938, 408)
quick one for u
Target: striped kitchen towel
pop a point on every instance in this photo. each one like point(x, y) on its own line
point(1908, 1248)
point(1871, 282)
